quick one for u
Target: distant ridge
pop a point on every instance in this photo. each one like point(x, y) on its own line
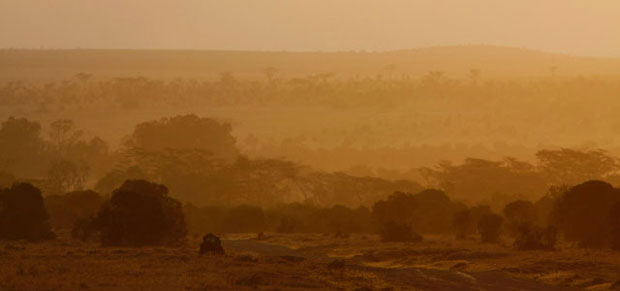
point(454, 61)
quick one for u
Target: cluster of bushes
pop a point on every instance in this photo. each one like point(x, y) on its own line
point(428, 211)
point(141, 213)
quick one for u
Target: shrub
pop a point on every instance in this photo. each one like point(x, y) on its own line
point(582, 213)
point(84, 228)
point(490, 227)
point(65, 210)
point(614, 226)
point(518, 214)
point(287, 225)
point(141, 213)
point(532, 237)
point(22, 214)
point(465, 222)
point(398, 232)
point(429, 211)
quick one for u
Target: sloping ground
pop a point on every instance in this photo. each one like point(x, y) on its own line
point(302, 262)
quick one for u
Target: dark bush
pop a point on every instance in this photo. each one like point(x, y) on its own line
point(465, 222)
point(490, 227)
point(84, 228)
point(22, 214)
point(533, 237)
point(614, 226)
point(582, 213)
point(65, 210)
point(429, 211)
point(141, 213)
point(398, 232)
point(287, 225)
point(518, 214)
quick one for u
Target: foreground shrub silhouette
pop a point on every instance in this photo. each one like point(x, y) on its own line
point(141, 213)
point(533, 237)
point(22, 214)
point(84, 228)
point(65, 210)
point(518, 214)
point(398, 232)
point(614, 226)
point(429, 211)
point(465, 222)
point(582, 213)
point(490, 227)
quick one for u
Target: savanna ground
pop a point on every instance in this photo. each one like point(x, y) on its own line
point(304, 262)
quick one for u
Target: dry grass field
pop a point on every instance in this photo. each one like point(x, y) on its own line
point(302, 262)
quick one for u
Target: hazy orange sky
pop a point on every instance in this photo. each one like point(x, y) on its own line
point(578, 27)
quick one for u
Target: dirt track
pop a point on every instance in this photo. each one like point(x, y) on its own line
point(300, 262)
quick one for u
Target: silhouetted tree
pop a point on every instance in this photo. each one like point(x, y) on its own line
point(477, 179)
point(519, 213)
point(429, 211)
point(582, 213)
point(65, 210)
point(66, 176)
point(141, 213)
point(614, 226)
point(392, 231)
point(22, 214)
point(186, 132)
point(533, 237)
point(570, 167)
point(490, 227)
point(465, 222)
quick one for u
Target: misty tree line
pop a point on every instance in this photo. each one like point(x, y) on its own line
point(197, 158)
point(516, 114)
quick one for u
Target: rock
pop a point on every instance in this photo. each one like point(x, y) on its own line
point(211, 244)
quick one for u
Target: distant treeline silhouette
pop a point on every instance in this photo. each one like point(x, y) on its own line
point(339, 123)
point(198, 160)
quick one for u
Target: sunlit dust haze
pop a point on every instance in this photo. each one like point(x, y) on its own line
point(310, 145)
point(576, 27)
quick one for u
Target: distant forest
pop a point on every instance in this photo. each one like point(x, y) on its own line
point(305, 128)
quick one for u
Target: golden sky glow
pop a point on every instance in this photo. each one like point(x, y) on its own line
point(576, 27)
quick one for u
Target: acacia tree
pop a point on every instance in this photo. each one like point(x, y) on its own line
point(186, 132)
point(570, 167)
